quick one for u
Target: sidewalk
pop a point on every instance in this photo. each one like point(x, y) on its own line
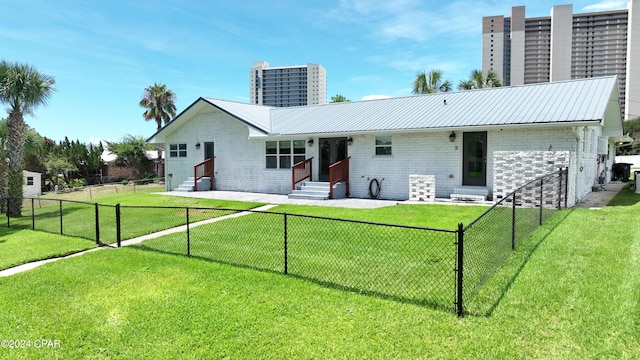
point(599, 199)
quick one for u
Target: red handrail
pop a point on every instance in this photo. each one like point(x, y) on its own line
point(201, 170)
point(301, 171)
point(339, 172)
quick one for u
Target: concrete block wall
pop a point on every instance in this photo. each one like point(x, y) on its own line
point(513, 169)
point(422, 187)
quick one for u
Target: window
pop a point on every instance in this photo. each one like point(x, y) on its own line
point(383, 145)
point(30, 180)
point(178, 150)
point(284, 153)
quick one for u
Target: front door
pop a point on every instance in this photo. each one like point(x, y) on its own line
point(474, 158)
point(209, 152)
point(332, 150)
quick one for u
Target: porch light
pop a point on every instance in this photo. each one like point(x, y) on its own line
point(349, 140)
point(310, 142)
point(452, 136)
point(198, 145)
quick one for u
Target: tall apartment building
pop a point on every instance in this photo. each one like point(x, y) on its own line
point(287, 85)
point(567, 46)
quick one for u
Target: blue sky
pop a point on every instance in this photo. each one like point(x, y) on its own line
point(104, 53)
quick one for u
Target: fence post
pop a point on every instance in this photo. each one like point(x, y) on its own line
point(188, 234)
point(33, 214)
point(286, 265)
point(61, 233)
point(7, 212)
point(560, 189)
point(460, 243)
point(513, 222)
point(566, 186)
point(541, 198)
point(118, 234)
point(97, 225)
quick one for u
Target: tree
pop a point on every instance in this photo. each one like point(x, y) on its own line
point(58, 166)
point(3, 165)
point(23, 88)
point(430, 83)
point(160, 104)
point(477, 80)
point(339, 98)
point(131, 153)
point(632, 128)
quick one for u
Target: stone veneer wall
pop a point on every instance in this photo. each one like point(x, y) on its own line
point(513, 169)
point(422, 187)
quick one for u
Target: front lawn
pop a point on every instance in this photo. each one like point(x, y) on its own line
point(572, 293)
point(576, 295)
point(19, 246)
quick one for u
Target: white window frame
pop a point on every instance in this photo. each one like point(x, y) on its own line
point(178, 150)
point(384, 147)
point(284, 159)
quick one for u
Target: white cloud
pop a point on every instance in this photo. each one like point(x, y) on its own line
point(606, 5)
point(375, 97)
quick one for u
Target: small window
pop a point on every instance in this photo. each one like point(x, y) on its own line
point(383, 145)
point(30, 180)
point(178, 150)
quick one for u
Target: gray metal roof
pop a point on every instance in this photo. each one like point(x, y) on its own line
point(582, 100)
point(566, 101)
point(256, 115)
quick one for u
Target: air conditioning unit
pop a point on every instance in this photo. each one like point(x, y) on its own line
point(603, 145)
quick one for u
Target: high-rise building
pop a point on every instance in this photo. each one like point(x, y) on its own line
point(565, 46)
point(287, 85)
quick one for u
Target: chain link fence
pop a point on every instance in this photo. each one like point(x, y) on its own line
point(434, 267)
point(489, 240)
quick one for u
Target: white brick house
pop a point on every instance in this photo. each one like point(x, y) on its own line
point(468, 139)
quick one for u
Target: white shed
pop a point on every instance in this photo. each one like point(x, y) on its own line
point(32, 183)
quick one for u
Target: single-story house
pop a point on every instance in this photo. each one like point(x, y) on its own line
point(32, 185)
point(478, 142)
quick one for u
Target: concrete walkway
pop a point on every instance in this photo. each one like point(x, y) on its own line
point(282, 199)
point(599, 199)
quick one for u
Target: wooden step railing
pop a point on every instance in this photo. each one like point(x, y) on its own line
point(339, 172)
point(301, 171)
point(201, 170)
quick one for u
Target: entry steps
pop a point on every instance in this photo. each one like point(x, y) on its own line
point(315, 190)
point(470, 193)
point(204, 184)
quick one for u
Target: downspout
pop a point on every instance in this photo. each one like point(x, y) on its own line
point(578, 152)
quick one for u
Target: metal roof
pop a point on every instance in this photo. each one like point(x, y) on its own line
point(255, 115)
point(582, 100)
point(557, 102)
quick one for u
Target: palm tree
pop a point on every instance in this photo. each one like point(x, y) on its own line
point(430, 83)
point(3, 166)
point(477, 80)
point(23, 88)
point(160, 104)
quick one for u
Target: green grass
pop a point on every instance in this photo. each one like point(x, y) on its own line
point(79, 220)
point(414, 265)
point(572, 291)
point(20, 246)
point(424, 215)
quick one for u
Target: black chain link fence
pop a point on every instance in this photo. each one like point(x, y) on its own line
point(434, 267)
point(490, 239)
